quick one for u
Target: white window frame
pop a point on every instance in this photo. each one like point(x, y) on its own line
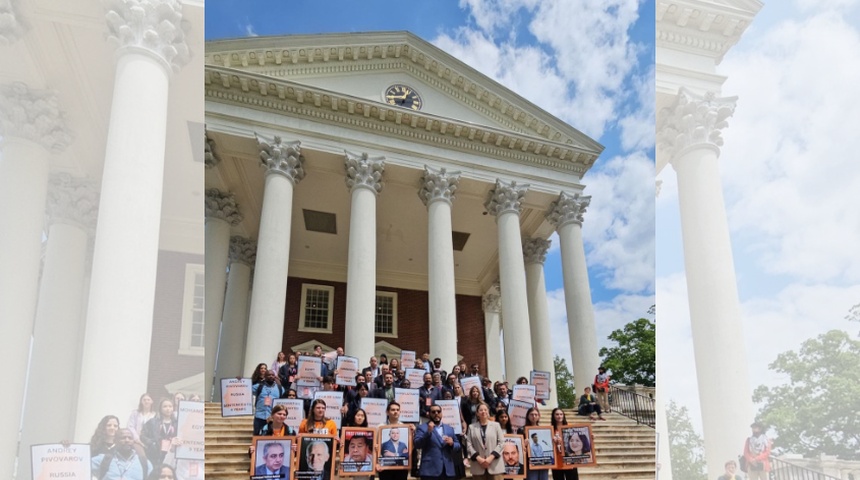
point(185, 347)
point(393, 296)
point(330, 322)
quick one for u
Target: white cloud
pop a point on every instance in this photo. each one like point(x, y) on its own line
point(249, 29)
point(789, 163)
point(619, 225)
point(637, 128)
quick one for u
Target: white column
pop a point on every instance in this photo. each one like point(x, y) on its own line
point(364, 180)
point(505, 202)
point(566, 215)
point(534, 253)
point(222, 213)
point(492, 303)
point(243, 253)
point(437, 192)
point(32, 127)
point(690, 135)
point(284, 170)
point(59, 324)
point(151, 38)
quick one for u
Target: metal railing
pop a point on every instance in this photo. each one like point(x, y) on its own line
point(782, 470)
point(632, 405)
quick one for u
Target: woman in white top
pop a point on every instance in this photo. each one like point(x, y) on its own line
point(279, 362)
point(142, 414)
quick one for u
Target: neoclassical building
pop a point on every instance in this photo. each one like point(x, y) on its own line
point(371, 191)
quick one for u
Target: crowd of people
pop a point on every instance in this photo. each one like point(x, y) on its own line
point(144, 448)
point(438, 451)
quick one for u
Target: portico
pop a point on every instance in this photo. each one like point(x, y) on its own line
point(404, 219)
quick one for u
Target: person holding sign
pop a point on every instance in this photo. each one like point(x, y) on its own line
point(159, 434)
point(535, 448)
point(484, 441)
point(387, 390)
point(317, 422)
point(276, 427)
point(125, 462)
point(558, 420)
point(469, 406)
point(439, 447)
point(265, 392)
point(273, 458)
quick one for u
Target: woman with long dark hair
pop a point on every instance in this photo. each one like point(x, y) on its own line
point(533, 420)
point(317, 422)
point(558, 419)
point(359, 419)
point(142, 414)
point(104, 438)
point(259, 373)
point(159, 434)
point(504, 420)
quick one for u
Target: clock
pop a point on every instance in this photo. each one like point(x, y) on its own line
point(403, 96)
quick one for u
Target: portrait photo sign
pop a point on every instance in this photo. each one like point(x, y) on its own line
point(357, 452)
point(315, 457)
point(394, 451)
point(578, 443)
point(272, 459)
point(513, 456)
point(541, 453)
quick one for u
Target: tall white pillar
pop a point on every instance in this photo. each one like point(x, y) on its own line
point(59, 325)
point(505, 202)
point(364, 180)
point(151, 38)
point(566, 215)
point(32, 127)
point(284, 170)
point(492, 303)
point(222, 213)
point(690, 136)
point(234, 321)
point(437, 192)
point(534, 253)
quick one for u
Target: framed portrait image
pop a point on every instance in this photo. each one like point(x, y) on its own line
point(315, 457)
point(513, 456)
point(541, 453)
point(356, 455)
point(578, 444)
point(394, 451)
point(273, 458)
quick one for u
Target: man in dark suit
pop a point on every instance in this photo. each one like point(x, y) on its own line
point(438, 443)
point(273, 456)
point(387, 389)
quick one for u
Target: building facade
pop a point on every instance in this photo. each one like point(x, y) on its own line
point(394, 198)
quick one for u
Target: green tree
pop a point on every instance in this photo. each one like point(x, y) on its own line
point(816, 411)
point(685, 446)
point(633, 359)
point(563, 384)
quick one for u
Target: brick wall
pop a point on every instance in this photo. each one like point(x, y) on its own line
point(165, 363)
point(413, 331)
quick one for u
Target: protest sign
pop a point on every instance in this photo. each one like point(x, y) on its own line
point(236, 397)
point(189, 430)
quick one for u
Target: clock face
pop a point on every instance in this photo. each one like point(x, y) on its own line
point(403, 96)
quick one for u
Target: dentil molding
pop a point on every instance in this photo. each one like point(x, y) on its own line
point(438, 185)
point(505, 197)
point(692, 120)
point(282, 158)
point(364, 171)
point(242, 250)
point(153, 26)
point(222, 205)
point(33, 115)
point(568, 209)
point(534, 250)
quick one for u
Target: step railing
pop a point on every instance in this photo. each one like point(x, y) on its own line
point(783, 470)
point(632, 405)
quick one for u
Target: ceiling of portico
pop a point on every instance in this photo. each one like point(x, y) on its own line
point(402, 228)
point(65, 49)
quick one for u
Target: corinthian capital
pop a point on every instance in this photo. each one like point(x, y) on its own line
point(210, 156)
point(33, 115)
point(73, 200)
point(364, 171)
point(282, 158)
point(438, 185)
point(11, 28)
point(492, 302)
point(534, 250)
point(567, 209)
point(153, 26)
point(505, 197)
point(222, 205)
point(692, 120)
point(242, 250)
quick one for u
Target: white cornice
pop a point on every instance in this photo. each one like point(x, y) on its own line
point(706, 28)
point(304, 54)
point(237, 87)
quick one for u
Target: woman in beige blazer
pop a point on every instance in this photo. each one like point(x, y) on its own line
point(484, 441)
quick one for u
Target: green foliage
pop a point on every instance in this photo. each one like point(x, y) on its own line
point(564, 384)
point(816, 411)
point(633, 360)
point(685, 446)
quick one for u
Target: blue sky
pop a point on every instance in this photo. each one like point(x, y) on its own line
point(600, 53)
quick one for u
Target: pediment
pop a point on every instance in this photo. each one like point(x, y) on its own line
point(363, 65)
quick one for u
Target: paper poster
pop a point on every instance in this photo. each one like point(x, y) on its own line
point(333, 402)
point(375, 408)
point(307, 388)
point(525, 393)
point(347, 369)
point(517, 411)
point(54, 461)
point(415, 377)
point(468, 382)
point(236, 397)
point(309, 368)
point(540, 380)
point(451, 414)
point(409, 401)
point(189, 430)
point(407, 359)
point(540, 448)
point(295, 411)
